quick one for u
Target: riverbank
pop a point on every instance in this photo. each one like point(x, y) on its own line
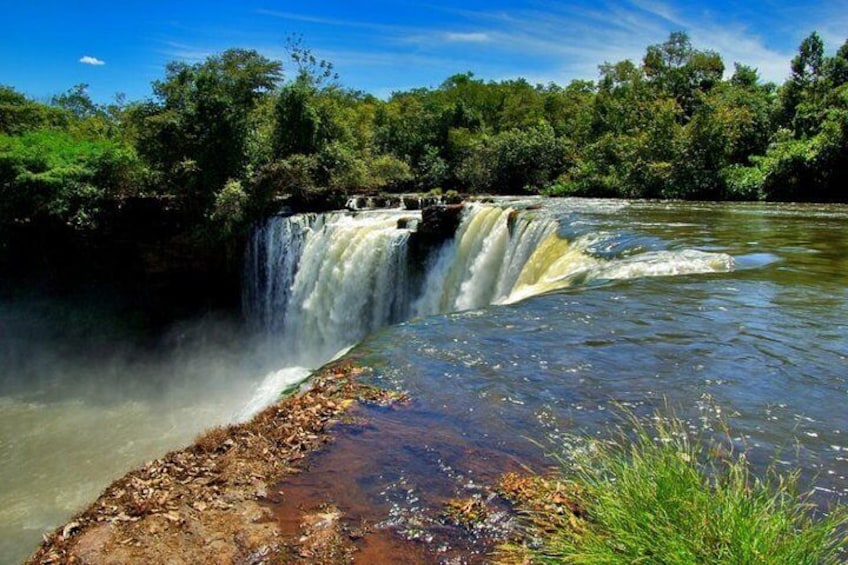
point(208, 502)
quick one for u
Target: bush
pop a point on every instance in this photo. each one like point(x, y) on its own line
point(743, 183)
point(514, 161)
point(229, 207)
point(387, 172)
point(659, 495)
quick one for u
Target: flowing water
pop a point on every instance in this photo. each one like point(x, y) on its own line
point(536, 321)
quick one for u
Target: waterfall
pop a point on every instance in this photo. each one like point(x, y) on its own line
point(482, 263)
point(323, 282)
point(318, 283)
point(273, 256)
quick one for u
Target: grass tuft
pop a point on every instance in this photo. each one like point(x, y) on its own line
point(658, 495)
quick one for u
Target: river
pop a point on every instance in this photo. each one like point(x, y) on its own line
point(541, 319)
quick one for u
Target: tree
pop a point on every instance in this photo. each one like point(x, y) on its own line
point(569, 110)
point(836, 67)
point(678, 70)
point(744, 76)
point(77, 102)
point(514, 161)
point(52, 176)
point(623, 95)
point(298, 124)
point(19, 114)
point(801, 95)
point(197, 132)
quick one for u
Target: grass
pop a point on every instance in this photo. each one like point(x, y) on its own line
point(658, 495)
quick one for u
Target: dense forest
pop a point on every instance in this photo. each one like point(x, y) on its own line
point(225, 140)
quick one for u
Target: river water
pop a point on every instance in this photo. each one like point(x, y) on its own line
point(536, 322)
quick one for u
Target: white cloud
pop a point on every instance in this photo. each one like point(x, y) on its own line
point(89, 60)
point(476, 37)
point(582, 38)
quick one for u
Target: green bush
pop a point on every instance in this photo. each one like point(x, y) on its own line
point(387, 172)
point(743, 183)
point(228, 210)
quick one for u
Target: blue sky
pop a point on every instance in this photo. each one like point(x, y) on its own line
point(47, 47)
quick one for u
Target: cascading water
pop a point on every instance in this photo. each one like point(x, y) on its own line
point(273, 258)
point(481, 264)
point(321, 283)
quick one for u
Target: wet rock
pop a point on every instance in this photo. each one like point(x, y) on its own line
point(510, 221)
point(440, 222)
point(407, 223)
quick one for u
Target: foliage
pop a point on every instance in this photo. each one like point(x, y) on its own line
point(659, 494)
point(513, 161)
point(227, 136)
point(678, 70)
point(229, 207)
point(18, 114)
point(387, 172)
point(50, 175)
point(297, 121)
point(196, 134)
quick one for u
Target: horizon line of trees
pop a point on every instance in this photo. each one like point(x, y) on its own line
point(224, 139)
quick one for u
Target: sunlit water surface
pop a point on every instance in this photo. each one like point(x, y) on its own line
point(763, 347)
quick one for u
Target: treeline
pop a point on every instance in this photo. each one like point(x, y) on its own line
point(226, 139)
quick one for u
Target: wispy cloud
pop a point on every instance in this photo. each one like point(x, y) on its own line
point(473, 37)
point(575, 40)
point(554, 40)
point(185, 52)
point(733, 40)
point(89, 60)
point(335, 22)
point(834, 26)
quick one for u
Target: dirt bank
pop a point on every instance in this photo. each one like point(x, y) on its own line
point(208, 503)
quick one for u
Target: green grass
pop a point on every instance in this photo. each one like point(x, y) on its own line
point(657, 495)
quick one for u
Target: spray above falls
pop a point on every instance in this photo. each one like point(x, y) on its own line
point(322, 282)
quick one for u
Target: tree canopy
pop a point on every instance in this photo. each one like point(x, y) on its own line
point(226, 138)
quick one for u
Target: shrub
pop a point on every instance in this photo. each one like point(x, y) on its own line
point(51, 174)
point(228, 209)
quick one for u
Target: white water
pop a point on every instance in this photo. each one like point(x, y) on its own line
point(484, 261)
point(319, 283)
point(270, 388)
point(324, 282)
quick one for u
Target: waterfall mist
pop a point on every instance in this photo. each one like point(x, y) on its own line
point(86, 395)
